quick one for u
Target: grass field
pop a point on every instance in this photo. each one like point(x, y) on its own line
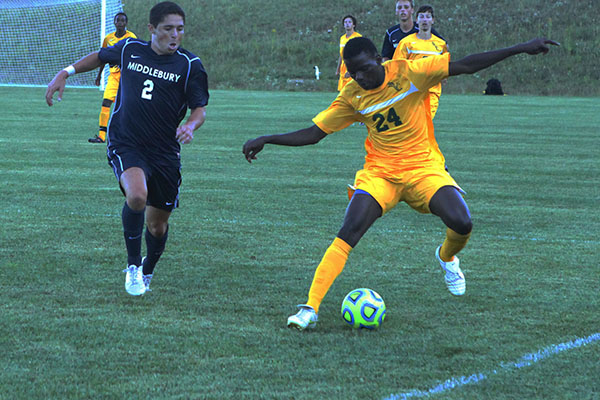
point(244, 245)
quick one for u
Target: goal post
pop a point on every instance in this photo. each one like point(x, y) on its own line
point(40, 37)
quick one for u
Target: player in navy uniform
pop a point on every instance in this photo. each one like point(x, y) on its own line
point(395, 34)
point(159, 82)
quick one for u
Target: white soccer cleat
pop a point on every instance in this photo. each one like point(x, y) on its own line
point(134, 281)
point(455, 279)
point(147, 279)
point(305, 318)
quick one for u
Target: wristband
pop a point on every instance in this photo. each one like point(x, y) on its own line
point(70, 70)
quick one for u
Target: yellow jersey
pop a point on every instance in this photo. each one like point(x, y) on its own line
point(414, 48)
point(111, 39)
point(343, 81)
point(397, 116)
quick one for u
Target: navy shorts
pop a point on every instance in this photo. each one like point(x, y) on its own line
point(162, 178)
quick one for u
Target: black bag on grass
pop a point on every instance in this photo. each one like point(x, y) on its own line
point(494, 87)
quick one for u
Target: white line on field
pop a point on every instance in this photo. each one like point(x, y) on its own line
point(525, 361)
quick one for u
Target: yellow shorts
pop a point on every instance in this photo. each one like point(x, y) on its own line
point(112, 85)
point(415, 187)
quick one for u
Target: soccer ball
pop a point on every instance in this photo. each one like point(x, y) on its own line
point(363, 308)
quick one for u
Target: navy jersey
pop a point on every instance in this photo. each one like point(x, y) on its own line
point(394, 35)
point(153, 97)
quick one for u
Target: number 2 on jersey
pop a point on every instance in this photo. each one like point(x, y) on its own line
point(392, 117)
point(148, 88)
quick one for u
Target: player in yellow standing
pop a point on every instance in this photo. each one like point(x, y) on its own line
point(424, 44)
point(403, 161)
point(112, 86)
point(349, 26)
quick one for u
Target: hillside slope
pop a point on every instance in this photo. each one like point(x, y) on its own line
point(261, 44)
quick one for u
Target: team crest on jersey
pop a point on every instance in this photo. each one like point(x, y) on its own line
point(395, 86)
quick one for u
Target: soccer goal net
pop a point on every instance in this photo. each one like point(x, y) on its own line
point(40, 37)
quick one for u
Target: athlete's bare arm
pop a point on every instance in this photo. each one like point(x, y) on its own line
point(476, 62)
point(302, 137)
point(185, 132)
point(87, 63)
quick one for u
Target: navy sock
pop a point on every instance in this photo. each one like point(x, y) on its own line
point(155, 247)
point(133, 225)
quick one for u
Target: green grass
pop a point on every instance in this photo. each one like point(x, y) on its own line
point(245, 243)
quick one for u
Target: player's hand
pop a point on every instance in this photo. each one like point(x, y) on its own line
point(97, 81)
point(184, 134)
point(56, 85)
point(252, 148)
point(537, 46)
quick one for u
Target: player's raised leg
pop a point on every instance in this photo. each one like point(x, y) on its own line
point(448, 204)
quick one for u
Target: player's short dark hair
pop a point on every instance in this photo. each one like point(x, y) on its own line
point(351, 17)
point(123, 14)
point(425, 8)
point(161, 10)
point(412, 3)
point(359, 45)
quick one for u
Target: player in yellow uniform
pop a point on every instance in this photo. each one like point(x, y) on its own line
point(112, 86)
point(403, 161)
point(424, 44)
point(349, 26)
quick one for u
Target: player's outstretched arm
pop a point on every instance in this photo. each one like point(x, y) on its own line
point(87, 63)
point(476, 62)
point(302, 137)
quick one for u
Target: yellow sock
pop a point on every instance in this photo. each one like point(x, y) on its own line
point(104, 116)
point(453, 243)
point(330, 267)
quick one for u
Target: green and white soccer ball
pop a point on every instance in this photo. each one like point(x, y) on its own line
point(363, 308)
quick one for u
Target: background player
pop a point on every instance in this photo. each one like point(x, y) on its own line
point(349, 23)
point(395, 34)
point(112, 85)
point(424, 44)
point(403, 162)
point(159, 80)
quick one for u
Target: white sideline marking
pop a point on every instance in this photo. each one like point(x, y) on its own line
point(525, 361)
